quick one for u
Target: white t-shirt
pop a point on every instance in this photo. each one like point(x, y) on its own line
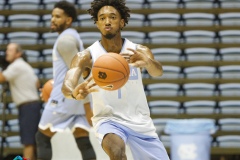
point(22, 81)
point(128, 105)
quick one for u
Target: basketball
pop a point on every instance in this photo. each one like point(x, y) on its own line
point(110, 71)
point(46, 90)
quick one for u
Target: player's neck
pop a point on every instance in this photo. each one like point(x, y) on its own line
point(112, 45)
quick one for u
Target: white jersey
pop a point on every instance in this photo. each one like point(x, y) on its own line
point(128, 105)
point(57, 102)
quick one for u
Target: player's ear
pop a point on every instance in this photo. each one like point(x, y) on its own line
point(69, 20)
point(122, 22)
point(97, 24)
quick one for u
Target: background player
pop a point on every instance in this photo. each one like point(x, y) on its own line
point(61, 113)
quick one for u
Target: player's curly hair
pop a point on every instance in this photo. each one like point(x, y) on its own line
point(119, 5)
point(68, 8)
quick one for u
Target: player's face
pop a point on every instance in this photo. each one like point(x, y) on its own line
point(11, 53)
point(109, 22)
point(59, 21)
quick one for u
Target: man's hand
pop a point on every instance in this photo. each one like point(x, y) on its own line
point(136, 58)
point(83, 89)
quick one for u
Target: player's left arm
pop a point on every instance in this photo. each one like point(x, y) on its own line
point(67, 47)
point(143, 58)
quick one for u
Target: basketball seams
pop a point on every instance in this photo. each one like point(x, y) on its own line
point(119, 61)
point(110, 69)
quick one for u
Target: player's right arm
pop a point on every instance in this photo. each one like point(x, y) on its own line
point(80, 66)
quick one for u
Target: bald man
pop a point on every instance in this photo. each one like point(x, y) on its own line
point(24, 91)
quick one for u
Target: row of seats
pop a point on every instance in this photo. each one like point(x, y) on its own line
point(161, 54)
point(155, 37)
point(199, 72)
point(170, 107)
point(226, 141)
point(193, 89)
point(136, 19)
point(176, 72)
point(85, 4)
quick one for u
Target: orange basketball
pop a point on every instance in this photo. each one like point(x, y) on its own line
point(110, 71)
point(46, 90)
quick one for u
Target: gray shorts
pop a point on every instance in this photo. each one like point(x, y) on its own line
point(58, 122)
point(29, 116)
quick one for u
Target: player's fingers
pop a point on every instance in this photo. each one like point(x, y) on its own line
point(134, 51)
point(137, 64)
point(78, 97)
point(89, 79)
point(91, 85)
point(125, 54)
point(93, 90)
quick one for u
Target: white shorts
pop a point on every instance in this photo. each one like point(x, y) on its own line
point(143, 147)
point(58, 122)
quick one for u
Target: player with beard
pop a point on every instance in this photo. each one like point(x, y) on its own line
point(119, 117)
point(61, 113)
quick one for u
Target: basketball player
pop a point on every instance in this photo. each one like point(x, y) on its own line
point(61, 113)
point(120, 117)
point(24, 95)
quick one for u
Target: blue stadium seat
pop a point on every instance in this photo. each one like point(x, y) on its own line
point(229, 124)
point(164, 19)
point(229, 89)
point(200, 107)
point(167, 54)
point(163, 89)
point(164, 37)
point(24, 4)
point(24, 20)
point(200, 54)
point(229, 19)
point(199, 89)
point(200, 72)
point(230, 54)
point(199, 36)
point(24, 38)
point(164, 107)
point(199, 19)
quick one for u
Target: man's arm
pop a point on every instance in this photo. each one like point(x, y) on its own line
point(80, 66)
point(67, 47)
point(154, 67)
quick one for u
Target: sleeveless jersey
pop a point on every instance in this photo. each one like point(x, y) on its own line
point(127, 105)
point(57, 102)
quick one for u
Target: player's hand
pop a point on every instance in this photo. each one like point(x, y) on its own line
point(84, 88)
point(136, 58)
point(40, 90)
